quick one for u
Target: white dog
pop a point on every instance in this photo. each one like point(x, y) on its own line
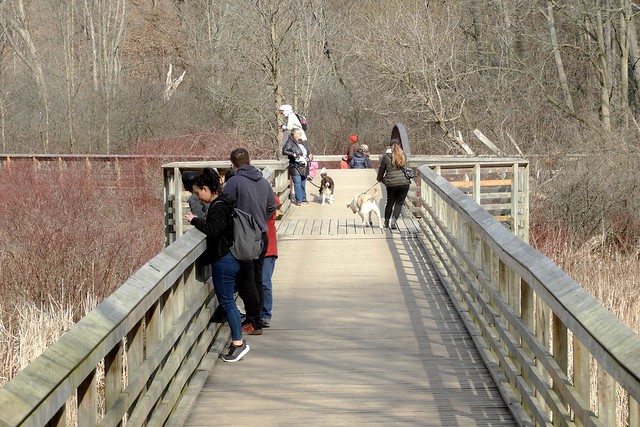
point(365, 205)
point(326, 186)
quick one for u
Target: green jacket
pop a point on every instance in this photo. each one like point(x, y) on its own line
point(390, 175)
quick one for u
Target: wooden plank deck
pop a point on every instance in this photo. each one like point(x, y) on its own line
point(363, 333)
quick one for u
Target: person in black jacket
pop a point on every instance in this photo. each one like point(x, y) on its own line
point(298, 152)
point(218, 226)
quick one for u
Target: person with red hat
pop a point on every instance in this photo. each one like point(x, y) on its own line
point(353, 147)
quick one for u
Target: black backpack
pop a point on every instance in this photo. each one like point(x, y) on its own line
point(303, 121)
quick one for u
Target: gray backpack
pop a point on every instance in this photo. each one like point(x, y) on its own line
point(247, 236)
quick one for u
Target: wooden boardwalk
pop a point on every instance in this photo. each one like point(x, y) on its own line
point(363, 333)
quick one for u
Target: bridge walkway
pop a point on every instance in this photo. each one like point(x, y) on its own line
point(363, 333)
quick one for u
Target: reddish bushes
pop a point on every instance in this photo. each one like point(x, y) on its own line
point(66, 236)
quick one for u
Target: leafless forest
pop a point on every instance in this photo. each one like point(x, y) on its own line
point(555, 81)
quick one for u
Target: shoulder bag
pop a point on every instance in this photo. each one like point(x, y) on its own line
point(408, 173)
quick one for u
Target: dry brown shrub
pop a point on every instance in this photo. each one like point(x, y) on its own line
point(68, 240)
point(606, 272)
point(65, 236)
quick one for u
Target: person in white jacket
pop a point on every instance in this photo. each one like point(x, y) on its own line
point(290, 122)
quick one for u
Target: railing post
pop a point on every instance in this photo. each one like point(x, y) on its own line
point(113, 371)
point(515, 198)
point(524, 226)
point(476, 183)
point(542, 333)
point(581, 373)
point(560, 349)
point(135, 355)
point(634, 412)
point(87, 401)
point(606, 398)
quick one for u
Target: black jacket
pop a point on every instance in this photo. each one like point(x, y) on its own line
point(293, 151)
point(218, 226)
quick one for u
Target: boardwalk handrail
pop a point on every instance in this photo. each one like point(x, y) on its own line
point(158, 321)
point(537, 329)
point(274, 171)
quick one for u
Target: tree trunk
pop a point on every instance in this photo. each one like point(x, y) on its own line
point(558, 58)
point(476, 32)
point(105, 24)
point(67, 24)
point(602, 68)
point(625, 19)
point(634, 55)
point(19, 37)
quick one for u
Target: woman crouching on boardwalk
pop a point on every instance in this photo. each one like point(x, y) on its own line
point(218, 226)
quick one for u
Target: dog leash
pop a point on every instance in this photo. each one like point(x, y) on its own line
point(308, 177)
point(365, 192)
point(311, 181)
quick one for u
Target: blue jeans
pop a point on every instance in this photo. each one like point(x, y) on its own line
point(299, 185)
point(267, 272)
point(223, 274)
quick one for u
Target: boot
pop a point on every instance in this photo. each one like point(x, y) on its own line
point(386, 223)
point(393, 225)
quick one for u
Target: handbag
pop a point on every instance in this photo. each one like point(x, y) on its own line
point(408, 173)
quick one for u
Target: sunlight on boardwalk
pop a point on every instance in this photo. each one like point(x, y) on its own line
point(362, 334)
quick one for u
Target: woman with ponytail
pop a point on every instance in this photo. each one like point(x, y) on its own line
point(390, 172)
point(218, 226)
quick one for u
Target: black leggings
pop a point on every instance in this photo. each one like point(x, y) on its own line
point(249, 284)
point(395, 199)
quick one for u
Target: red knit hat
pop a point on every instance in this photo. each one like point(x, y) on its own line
point(353, 138)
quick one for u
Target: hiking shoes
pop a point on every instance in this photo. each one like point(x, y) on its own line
point(236, 353)
point(249, 329)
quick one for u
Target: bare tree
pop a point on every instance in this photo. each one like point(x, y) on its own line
point(104, 21)
point(410, 57)
point(14, 22)
point(562, 76)
point(67, 22)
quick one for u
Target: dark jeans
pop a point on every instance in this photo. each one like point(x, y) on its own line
point(249, 285)
point(395, 199)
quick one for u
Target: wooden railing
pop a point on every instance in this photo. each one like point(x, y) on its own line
point(132, 357)
point(104, 171)
point(274, 171)
point(541, 334)
point(142, 345)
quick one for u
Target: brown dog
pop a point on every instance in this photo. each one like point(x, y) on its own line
point(326, 187)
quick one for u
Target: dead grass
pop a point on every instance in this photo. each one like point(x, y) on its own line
point(611, 277)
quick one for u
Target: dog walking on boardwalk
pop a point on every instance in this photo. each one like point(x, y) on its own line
point(326, 187)
point(365, 205)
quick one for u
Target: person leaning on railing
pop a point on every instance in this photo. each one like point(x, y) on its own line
point(218, 226)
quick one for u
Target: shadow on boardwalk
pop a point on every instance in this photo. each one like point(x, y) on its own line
point(363, 334)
